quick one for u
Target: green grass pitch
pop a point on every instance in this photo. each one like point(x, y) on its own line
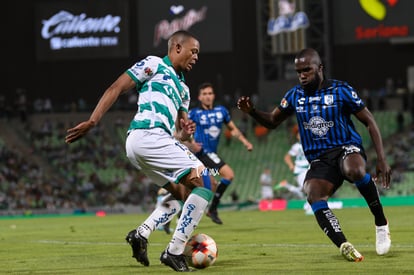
point(249, 242)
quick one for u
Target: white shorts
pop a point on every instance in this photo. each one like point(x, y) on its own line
point(300, 178)
point(267, 192)
point(160, 156)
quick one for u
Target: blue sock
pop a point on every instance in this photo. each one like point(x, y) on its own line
point(364, 181)
point(328, 222)
point(319, 205)
point(225, 181)
point(206, 181)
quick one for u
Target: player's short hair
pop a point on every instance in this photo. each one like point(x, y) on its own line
point(310, 53)
point(204, 85)
point(179, 37)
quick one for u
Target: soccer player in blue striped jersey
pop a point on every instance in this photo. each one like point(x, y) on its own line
point(323, 109)
point(209, 120)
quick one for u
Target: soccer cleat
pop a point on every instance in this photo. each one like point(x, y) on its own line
point(350, 253)
point(383, 242)
point(281, 185)
point(139, 247)
point(214, 216)
point(176, 262)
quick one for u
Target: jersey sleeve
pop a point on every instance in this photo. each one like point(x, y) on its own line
point(350, 98)
point(185, 104)
point(226, 114)
point(287, 104)
point(191, 114)
point(143, 70)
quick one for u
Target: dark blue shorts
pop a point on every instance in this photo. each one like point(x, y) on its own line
point(211, 160)
point(328, 165)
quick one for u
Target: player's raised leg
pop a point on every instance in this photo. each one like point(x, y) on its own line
point(192, 212)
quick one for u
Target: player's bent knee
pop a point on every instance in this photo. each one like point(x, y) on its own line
point(195, 177)
point(355, 173)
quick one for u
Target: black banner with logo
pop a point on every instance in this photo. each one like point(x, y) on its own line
point(368, 21)
point(81, 29)
point(208, 20)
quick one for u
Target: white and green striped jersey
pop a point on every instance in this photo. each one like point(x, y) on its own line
point(161, 94)
point(301, 163)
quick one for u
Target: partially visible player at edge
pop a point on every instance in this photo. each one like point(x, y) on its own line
point(323, 109)
point(163, 103)
point(209, 120)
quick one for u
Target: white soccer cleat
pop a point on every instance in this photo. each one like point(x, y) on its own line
point(350, 253)
point(383, 242)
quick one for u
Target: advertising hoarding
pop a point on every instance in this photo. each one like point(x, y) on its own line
point(81, 29)
point(208, 20)
point(370, 21)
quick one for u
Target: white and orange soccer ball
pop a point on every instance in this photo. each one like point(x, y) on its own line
point(201, 251)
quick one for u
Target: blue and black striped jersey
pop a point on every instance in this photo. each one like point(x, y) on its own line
point(209, 125)
point(324, 116)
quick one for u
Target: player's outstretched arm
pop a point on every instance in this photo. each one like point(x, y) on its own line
point(269, 120)
point(123, 84)
point(235, 132)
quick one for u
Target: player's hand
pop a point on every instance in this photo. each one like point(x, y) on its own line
point(249, 146)
point(78, 131)
point(384, 173)
point(187, 129)
point(196, 147)
point(187, 126)
point(245, 104)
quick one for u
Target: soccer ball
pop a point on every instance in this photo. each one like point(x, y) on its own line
point(200, 251)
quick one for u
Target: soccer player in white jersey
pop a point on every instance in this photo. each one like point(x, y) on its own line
point(296, 160)
point(154, 138)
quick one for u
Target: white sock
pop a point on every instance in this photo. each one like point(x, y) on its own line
point(162, 214)
point(294, 189)
point(192, 212)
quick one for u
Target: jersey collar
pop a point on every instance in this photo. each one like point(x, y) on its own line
point(167, 61)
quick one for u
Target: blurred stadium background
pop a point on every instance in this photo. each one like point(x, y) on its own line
point(54, 72)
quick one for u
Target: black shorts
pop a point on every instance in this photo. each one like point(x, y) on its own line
point(328, 165)
point(211, 160)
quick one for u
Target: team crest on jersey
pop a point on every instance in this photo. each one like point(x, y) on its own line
point(148, 71)
point(328, 99)
point(191, 156)
point(354, 94)
point(284, 103)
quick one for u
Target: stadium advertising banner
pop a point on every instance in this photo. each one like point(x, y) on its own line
point(208, 20)
point(366, 21)
point(81, 29)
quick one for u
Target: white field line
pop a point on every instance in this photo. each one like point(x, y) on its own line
point(402, 245)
